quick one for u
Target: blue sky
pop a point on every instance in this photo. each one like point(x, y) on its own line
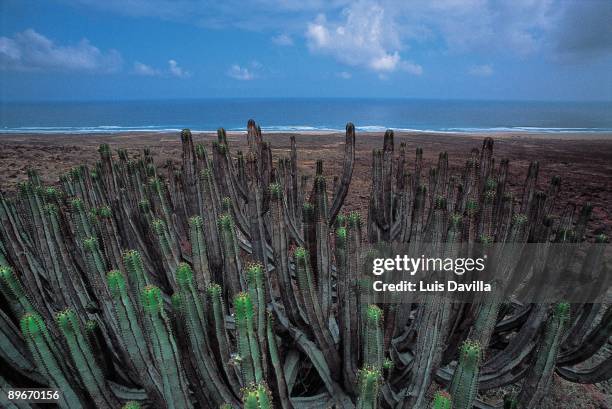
point(466, 49)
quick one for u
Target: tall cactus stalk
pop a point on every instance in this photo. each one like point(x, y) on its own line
point(538, 379)
point(165, 352)
point(464, 386)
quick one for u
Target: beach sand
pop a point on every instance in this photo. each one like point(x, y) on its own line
point(583, 160)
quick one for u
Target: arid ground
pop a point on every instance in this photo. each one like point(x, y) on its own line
point(584, 161)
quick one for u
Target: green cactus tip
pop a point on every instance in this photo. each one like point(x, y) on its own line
point(196, 221)
point(275, 190)
point(341, 233)
point(374, 313)
point(105, 212)
point(67, 320)
point(442, 400)
point(90, 244)
point(32, 325)
point(354, 219)
point(116, 281)
point(152, 300)
point(214, 290)
point(562, 311)
point(254, 272)
point(301, 253)
point(243, 306)
point(184, 274)
point(226, 222)
point(471, 351)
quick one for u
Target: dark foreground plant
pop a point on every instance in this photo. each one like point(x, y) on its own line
point(231, 282)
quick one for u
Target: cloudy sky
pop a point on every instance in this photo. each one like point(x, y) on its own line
point(141, 49)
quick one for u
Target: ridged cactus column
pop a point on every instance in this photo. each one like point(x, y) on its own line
point(195, 318)
point(84, 361)
point(159, 332)
point(42, 348)
point(538, 379)
point(369, 385)
point(373, 346)
point(132, 335)
point(317, 320)
point(257, 396)
point(248, 347)
point(464, 385)
point(198, 253)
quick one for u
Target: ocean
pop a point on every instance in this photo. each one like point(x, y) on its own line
point(305, 114)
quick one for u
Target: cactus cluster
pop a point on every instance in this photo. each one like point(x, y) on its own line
point(230, 282)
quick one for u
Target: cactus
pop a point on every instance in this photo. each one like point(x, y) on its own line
point(294, 316)
point(369, 384)
point(441, 400)
point(248, 347)
point(159, 334)
point(538, 379)
point(44, 351)
point(464, 385)
point(84, 361)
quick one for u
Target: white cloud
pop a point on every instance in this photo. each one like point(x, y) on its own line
point(32, 51)
point(177, 71)
point(145, 70)
point(240, 73)
point(367, 36)
point(344, 75)
point(173, 70)
point(485, 70)
point(282, 40)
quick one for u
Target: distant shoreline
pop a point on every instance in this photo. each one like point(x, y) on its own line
point(577, 135)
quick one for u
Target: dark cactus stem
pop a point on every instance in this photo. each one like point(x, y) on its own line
point(309, 231)
point(248, 345)
point(322, 250)
point(165, 351)
point(257, 290)
point(280, 249)
point(312, 307)
point(132, 335)
point(346, 309)
point(296, 196)
point(529, 186)
point(91, 375)
point(255, 208)
point(210, 213)
point(199, 254)
point(540, 375)
point(47, 361)
point(189, 171)
point(224, 353)
point(277, 364)
point(486, 162)
point(232, 279)
point(109, 234)
point(194, 316)
point(347, 173)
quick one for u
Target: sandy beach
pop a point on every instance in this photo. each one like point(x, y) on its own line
point(583, 160)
